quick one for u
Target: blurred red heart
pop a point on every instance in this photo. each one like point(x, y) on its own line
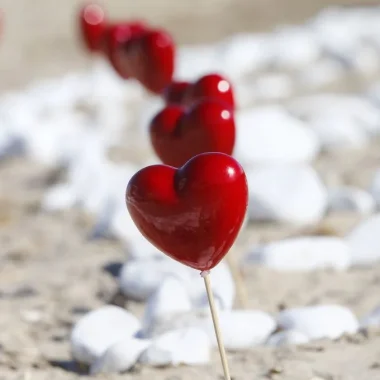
point(115, 38)
point(211, 86)
point(194, 213)
point(92, 23)
point(151, 58)
point(178, 134)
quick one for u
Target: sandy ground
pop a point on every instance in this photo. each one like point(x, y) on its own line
point(51, 273)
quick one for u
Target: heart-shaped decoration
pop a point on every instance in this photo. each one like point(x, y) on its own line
point(92, 23)
point(211, 86)
point(150, 57)
point(194, 213)
point(115, 38)
point(177, 134)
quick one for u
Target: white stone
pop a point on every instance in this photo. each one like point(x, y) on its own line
point(350, 109)
point(120, 356)
point(364, 61)
point(273, 86)
point(293, 48)
point(140, 248)
point(189, 346)
point(364, 241)
point(222, 285)
point(302, 254)
point(241, 329)
point(317, 322)
point(287, 194)
point(269, 135)
point(287, 337)
point(320, 73)
point(98, 330)
point(195, 61)
point(59, 197)
point(338, 131)
point(55, 138)
point(375, 187)
point(372, 319)
point(244, 53)
point(139, 279)
point(169, 299)
point(337, 31)
point(351, 199)
point(10, 144)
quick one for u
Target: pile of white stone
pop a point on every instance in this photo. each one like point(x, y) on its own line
point(175, 332)
point(73, 121)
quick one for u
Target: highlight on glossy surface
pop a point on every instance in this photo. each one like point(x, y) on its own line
point(177, 134)
point(92, 23)
point(194, 213)
point(116, 38)
point(212, 86)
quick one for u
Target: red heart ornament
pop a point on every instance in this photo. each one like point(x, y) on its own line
point(151, 58)
point(177, 134)
point(92, 23)
point(211, 86)
point(194, 213)
point(115, 38)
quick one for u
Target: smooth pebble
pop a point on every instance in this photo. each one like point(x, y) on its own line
point(268, 135)
point(241, 329)
point(350, 199)
point(364, 241)
point(190, 346)
point(304, 253)
point(291, 194)
point(99, 329)
point(120, 356)
point(321, 321)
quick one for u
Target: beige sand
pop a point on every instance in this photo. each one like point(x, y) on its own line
point(50, 273)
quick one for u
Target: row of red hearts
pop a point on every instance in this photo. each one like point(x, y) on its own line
point(198, 117)
point(194, 213)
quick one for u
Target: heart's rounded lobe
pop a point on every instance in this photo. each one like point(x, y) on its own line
point(178, 134)
point(92, 23)
point(152, 56)
point(211, 86)
point(194, 213)
point(115, 38)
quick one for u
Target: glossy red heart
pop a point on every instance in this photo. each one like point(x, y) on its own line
point(194, 213)
point(92, 23)
point(211, 86)
point(177, 134)
point(115, 38)
point(151, 58)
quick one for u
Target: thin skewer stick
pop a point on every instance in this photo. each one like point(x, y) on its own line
point(241, 289)
point(215, 321)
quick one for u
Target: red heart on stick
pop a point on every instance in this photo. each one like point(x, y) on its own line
point(194, 213)
point(151, 59)
point(115, 37)
point(211, 86)
point(92, 23)
point(178, 134)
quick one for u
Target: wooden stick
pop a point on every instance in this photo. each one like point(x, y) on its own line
point(241, 289)
point(215, 321)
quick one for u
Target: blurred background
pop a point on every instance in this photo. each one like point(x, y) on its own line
point(69, 146)
point(40, 37)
